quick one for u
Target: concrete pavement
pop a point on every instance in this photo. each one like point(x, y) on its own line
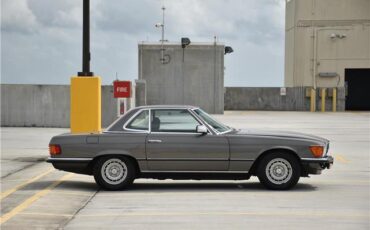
point(34, 196)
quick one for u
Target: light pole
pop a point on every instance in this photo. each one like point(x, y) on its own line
point(86, 56)
point(85, 113)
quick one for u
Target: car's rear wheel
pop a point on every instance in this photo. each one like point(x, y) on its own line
point(114, 173)
point(279, 171)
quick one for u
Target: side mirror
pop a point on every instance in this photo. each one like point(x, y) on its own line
point(202, 129)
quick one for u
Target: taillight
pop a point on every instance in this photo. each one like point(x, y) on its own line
point(317, 150)
point(55, 149)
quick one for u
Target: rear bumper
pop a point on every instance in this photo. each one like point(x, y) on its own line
point(75, 165)
point(316, 165)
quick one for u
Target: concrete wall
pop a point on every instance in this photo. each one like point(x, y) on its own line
point(190, 76)
point(269, 98)
point(46, 105)
point(140, 93)
point(310, 48)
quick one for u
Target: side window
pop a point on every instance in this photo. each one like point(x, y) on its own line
point(140, 122)
point(173, 120)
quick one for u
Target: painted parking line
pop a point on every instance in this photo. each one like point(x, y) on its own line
point(159, 213)
point(341, 159)
point(32, 199)
point(33, 179)
point(266, 213)
point(46, 214)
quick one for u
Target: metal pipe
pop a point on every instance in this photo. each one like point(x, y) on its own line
point(162, 40)
point(314, 61)
point(334, 99)
point(315, 51)
point(323, 98)
point(313, 100)
point(86, 56)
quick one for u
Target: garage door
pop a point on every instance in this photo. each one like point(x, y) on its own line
point(357, 82)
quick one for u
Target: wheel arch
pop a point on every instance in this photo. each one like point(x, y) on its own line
point(131, 158)
point(255, 164)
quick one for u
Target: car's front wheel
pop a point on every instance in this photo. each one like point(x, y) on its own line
point(114, 173)
point(279, 171)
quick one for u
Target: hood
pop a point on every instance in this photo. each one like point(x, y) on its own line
point(279, 134)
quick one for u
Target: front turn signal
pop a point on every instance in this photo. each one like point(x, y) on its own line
point(317, 150)
point(55, 149)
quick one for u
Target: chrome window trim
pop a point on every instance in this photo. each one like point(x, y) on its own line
point(118, 119)
point(167, 108)
point(115, 122)
point(211, 130)
point(210, 126)
point(133, 117)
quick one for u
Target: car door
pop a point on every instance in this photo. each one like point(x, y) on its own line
point(174, 145)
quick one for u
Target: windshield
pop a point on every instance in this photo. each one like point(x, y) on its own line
point(212, 122)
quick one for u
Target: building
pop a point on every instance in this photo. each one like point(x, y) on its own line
point(328, 46)
point(190, 74)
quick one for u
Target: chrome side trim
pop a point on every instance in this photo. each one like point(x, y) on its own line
point(239, 159)
point(52, 159)
point(155, 171)
point(187, 159)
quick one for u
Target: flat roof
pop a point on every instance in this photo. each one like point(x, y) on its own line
point(179, 43)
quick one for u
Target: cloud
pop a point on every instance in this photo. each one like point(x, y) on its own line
point(43, 38)
point(16, 16)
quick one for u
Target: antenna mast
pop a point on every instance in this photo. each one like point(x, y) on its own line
point(162, 38)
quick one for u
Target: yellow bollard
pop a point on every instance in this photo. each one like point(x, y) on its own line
point(323, 97)
point(85, 104)
point(313, 100)
point(334, 99)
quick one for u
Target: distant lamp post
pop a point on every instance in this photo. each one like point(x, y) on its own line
point(228, 50)
point(185, 42)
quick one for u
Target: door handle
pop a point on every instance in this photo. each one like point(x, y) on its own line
point(154, 141)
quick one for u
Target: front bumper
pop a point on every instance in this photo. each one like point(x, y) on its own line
point(316, 165)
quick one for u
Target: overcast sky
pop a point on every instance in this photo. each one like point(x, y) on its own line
point(41, 39)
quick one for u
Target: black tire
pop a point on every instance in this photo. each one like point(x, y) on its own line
point(107, 172)
point(279, 171)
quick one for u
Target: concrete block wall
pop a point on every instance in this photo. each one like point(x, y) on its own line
point(191, 76)
point(140, 92)
point(49, 105)
point(329, 100)
point(269, 98)
point(46, 105)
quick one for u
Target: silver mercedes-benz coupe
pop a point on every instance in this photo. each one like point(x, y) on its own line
point(184, 142)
